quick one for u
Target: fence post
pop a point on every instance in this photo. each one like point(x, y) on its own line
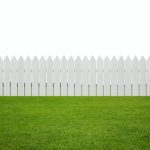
point(1, 77)
point(35, 77)
point(56, 77)
point(100, 77)
point(106, 77)
point(21, 77)
point(135, 77)
point(49, 72)
point(92, 73)
point(42, 77)
point(121, 77)
point(70, 77)
point(114, 69)
point(142, 77)
point(6, 77)
point(128, 90)
point(27, 76)
point(14, 76)
point(63, 77)
point(78, 76)
point(148, 76)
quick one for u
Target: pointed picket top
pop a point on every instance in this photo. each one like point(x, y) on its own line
point(63, 62)
point(121, 60)
point(35, 63)
point(13, 59)
point(142, 61)
point(92, 63)
point(71, 63)
point(14, 63)
point(42, 59)
point(78, 63)
point(50, 59)
point(27, 63)
point(49, 64)
point(148, 59)
point(100, 62)
point(128, 62)
point(135, 65)
point(21, 62)
point(42, 63)
point(85, 63)
point(106, 62)
point(6, 61)
point(1, 64)
point(114, 62)
point(56, 62)
point(35, 59)
point(135, 59)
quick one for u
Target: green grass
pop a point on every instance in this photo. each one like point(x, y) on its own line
point(74, 123)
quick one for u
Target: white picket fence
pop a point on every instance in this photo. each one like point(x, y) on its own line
point(74, 77)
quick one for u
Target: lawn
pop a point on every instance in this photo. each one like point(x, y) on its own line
point(74, 123)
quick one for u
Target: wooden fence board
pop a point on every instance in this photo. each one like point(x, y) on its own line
point(42, 77)
point(7, 77)
point(100, 82)
point(14, 76)
point(121, 77)
point(50, 90)
point(92, 79)
point(106, 77)
point(56, 77)
point(1, 77)
point(142, 77)
point(127, 76)
point(27, 76)
point(21, 77)
point(63, 77)
point(85, 77)
point(70, 77)
point(114, 69)
point(35, 77)
point(78, 76)
point(135, 77)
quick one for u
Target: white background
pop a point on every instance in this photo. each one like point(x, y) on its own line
point(75, 27)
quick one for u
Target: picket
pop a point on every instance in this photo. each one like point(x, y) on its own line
point(21, 77)
point(148, 76)
point(114, 69)
point(75, 78)
point(127, 77)
point(78, 76)
point(106, 77)
point(92, 79)
point(1, 77)
point(85, 77)
point(121, 77)
point(56, 77)
point(135, 77)
point(6, 77)
point(27, 76)
point(35, 77)
point(71, 77)
point(14, 75)
point(142, 77)
point(42, 77)
point(100, 77)
point(63, 77)
point(49, 72)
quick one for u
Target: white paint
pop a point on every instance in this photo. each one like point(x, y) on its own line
point(82, 77)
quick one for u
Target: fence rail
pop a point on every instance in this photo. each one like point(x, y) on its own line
point(87, 77)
